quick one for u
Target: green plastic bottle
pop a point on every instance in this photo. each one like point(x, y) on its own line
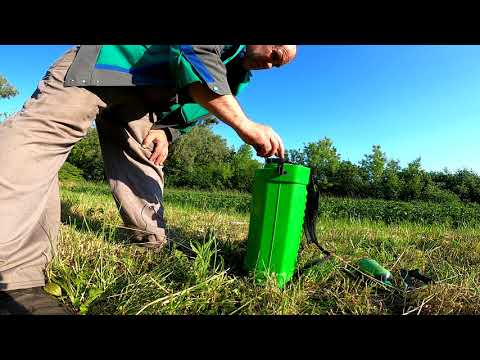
point(276, 219)
point(374, 269)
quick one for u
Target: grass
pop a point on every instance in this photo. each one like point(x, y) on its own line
point(100, 273)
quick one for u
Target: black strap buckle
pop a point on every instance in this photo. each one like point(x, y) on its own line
point(280, 162)
point(280, 169)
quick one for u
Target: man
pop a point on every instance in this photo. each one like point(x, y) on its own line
point(142, 98)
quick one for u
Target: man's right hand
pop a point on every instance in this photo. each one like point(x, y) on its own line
point(225, 107)
point(263, 138)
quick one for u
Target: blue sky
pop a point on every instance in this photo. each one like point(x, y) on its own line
point(412, 100)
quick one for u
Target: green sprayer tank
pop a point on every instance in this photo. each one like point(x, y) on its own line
point(276, 219)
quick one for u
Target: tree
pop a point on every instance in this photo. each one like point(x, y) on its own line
point(199, 159)
point(466, 184)
point(348, 181)
point(296, 156)
point(243, 168)
point(87, 156)
point(413, 179)
point(323, 159)
point(208, 120)
point(373, 165)
point(391, 182)
point(7, 91)
point(433, 192)
point(69, 172)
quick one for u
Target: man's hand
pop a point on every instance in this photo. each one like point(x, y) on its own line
point(160, 149)
point(263, 138)
point(225, 107)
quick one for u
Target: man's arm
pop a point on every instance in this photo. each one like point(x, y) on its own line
point(200, 71)
point(263, 138)
point(226, 107)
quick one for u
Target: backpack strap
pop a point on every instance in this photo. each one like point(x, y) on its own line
point(311, 212)
point(237, 51)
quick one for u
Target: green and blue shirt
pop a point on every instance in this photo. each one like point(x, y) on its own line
point(173, 67)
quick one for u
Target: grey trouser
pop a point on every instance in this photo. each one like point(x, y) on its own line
point(34, 144)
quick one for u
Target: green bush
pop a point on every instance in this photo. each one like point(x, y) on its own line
point(207, 200)
point(87, 156)
point(70, 172)
point(435, 194)
point(420, 212)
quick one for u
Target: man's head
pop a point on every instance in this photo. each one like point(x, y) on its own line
point(259, 57)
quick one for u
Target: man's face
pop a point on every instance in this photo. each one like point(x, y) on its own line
point(260, 57)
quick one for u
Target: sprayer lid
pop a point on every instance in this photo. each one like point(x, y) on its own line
point(285, 172)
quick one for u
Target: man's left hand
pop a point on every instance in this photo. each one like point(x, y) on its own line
point(160, 148)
